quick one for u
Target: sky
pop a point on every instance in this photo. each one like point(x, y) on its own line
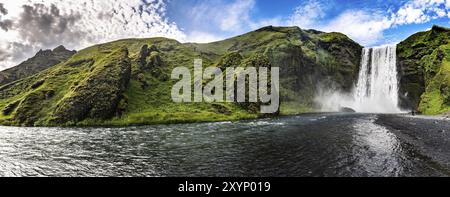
point(27, 26)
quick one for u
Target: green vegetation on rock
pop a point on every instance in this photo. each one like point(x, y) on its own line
point(424, 64)
point(99, 94)
point(127, 82)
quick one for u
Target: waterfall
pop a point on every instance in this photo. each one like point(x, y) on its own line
point(376, 90)
point(377, 87)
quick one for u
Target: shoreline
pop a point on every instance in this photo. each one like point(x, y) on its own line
point(431, 117)
point(425, 137)
point(193, 121)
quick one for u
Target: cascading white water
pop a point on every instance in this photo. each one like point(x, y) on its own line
point(377, 88)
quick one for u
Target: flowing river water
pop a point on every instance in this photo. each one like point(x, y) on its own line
point(307, 145)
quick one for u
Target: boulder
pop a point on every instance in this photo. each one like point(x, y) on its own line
point(347, 110)
point(148, 53)
point(143, 56)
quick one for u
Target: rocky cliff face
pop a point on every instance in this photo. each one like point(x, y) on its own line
point(98, 96)
point(308, 59)
point(128, 81)
point(424, 70)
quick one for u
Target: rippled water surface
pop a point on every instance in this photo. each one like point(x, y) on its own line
point(308, 145)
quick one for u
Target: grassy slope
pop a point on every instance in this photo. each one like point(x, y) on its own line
point(436, 99)
point(427, 57)
point(145, 106)
point(35, 100)
point(154, 104)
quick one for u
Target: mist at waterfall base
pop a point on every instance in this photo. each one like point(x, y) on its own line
point(376, 90)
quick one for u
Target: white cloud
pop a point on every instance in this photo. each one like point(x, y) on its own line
point(78, 24)
point(214, 20)
point(235, 15)
point(202, 37)
point(366, 28)
point(308, 14)
point(409, 14)
point(421, 11)
point(440, 12)
point(227, 16)
point(276, 21)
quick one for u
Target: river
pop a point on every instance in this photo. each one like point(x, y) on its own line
point(306, 145)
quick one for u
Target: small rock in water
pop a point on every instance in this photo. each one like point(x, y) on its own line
point(347, 109)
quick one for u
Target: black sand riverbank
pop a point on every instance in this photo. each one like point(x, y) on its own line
point(428, 138)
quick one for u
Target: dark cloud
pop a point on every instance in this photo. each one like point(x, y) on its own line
point(39, 27)
point(15, 51)
point(3, 10)
point(6, 25)
point(19, 51)
point(78, 24)
point(45, 26)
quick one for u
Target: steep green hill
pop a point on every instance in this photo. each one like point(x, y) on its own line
point(308, 60)
point(41, 61)
point(424, 64)
point(127, 82)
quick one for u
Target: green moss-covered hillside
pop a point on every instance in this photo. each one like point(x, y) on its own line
point(308, 59)
point(424, 64)
point(127, 82)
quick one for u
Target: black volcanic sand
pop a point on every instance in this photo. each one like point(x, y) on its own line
point(428, 137)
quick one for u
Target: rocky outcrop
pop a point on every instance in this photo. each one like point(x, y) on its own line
point(151, 61)
point(41, 61)
point(10, 108)
point(232, 59)
point(346, 110)
point(27, 112)
point(98, 96)
point(149, 57)
point(345, 63)
point(255, 61)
